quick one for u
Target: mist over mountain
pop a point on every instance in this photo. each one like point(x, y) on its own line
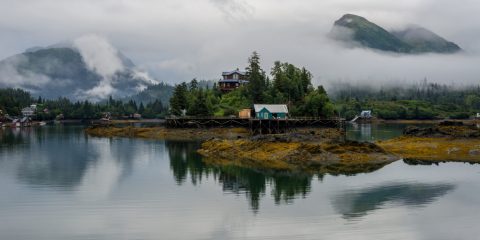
point(358, 31)
point(424, 40)
point(86, 68)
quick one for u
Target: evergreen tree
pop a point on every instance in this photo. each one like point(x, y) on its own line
point(193, 85)
point(199, 106)
point(178, 102)
point(141, 109)
point(257, 79)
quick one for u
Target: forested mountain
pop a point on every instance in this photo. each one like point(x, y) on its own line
point(64, 71)
point(357, 30)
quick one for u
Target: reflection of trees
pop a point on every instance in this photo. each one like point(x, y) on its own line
point(184, 162)
point(10, 137)
point(285, 187)
point(288, 186)
point(242, 180)
point(359, 203)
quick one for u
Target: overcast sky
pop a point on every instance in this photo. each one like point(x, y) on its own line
point(177, 40)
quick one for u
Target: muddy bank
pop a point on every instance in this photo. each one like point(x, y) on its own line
point(167, 133)
point(325, 157)
point(447, 141)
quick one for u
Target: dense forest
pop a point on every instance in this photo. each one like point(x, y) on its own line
point(420, 101)
point(289, 85)
point(13, 100)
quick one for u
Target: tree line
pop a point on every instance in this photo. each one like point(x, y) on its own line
point(420, 101)
point(12, 101)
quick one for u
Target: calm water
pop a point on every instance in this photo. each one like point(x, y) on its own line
point(376, 132)
point(57, 183)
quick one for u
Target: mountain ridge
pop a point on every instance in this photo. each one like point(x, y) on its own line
point(63, 70)
point(358, 30)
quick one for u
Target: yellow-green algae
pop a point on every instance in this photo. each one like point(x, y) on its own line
point(435, 149)
point(336, 158)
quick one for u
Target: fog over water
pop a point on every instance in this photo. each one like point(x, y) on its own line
point(178, 40)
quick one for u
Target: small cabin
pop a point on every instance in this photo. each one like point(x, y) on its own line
point(366, 114)
point(245, 113)
point(271, 111)
point(232, 80)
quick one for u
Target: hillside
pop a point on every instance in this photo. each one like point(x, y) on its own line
point(424, 40)
point(358, 31)
point(69, 71)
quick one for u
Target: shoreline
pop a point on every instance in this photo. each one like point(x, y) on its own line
point(316, 149)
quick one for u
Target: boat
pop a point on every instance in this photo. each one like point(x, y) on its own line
point(42, 123)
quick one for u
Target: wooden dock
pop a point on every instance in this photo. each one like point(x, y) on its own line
point(256, 126)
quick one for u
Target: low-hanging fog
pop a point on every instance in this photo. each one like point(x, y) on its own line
point(179, 40)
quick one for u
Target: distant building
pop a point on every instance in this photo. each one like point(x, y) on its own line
point(271, 111)
point(25, 121)
point(366, 114)
point(29, 111)
point(232, 80)
point(137, 116)
point(478, 116)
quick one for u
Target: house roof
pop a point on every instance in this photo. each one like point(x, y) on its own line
point(273, 108)
point(232, 72)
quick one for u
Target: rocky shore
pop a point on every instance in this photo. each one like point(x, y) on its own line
point(317, 150)
point(332, 157)
point(447, 141)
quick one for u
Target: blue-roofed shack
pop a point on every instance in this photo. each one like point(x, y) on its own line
point(271, 111)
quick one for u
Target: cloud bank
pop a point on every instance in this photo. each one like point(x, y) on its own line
point(88, 67)
point(180, 40)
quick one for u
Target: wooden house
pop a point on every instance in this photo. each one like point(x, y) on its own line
point(29, 111)
point(232, 80)
point(271, 111)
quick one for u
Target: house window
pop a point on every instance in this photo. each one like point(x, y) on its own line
point(235, 76)
point(265, 115)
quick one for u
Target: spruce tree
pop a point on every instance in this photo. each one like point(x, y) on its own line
point(257, 79)
point(178, 102)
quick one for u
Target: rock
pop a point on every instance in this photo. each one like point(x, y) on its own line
point(474, 152)
point(453, 150)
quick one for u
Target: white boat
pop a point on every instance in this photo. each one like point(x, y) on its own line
point(42, 123)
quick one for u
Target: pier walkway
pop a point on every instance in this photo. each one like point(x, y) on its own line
point(256, 126)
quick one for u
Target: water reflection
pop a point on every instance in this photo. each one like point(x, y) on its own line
point(53, 158)
point(12, 137)
point(64, 158)
point(253, 183)
point(60, 157)
point(371, 132)
point(358, 203)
